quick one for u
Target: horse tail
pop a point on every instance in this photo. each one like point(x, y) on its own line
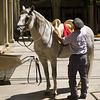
point(90, 62)
point(90, 49)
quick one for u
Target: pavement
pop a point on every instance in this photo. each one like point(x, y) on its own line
point(20, 89)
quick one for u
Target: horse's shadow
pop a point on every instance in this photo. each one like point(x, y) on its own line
point(39, 95)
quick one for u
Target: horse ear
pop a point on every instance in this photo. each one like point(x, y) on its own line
point(32, 8)
point(23, 7)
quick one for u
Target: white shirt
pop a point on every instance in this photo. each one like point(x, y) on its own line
point(77, 41)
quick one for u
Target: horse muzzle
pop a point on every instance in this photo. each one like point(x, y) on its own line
point(17, 34)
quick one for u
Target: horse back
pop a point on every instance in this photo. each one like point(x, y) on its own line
point(90, 37)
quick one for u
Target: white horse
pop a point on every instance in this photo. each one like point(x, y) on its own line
point(46, 44)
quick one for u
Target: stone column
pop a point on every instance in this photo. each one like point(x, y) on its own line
point(15, 14)
point(95, 18)
point(5, 21)
point(11, 37)
point(56, 8)
point(1, 24)
point(18, 9)
point(91, 15)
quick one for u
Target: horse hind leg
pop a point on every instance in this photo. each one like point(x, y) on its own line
point(46, 72)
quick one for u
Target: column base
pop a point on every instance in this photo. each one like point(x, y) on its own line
point(2, 82)
point(12, 41)
point(7, 45)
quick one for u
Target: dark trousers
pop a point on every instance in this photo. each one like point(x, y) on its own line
point(77, 63)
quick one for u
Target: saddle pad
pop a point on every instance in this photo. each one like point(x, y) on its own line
point(66, 31)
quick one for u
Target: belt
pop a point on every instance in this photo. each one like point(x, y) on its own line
point(78, 54)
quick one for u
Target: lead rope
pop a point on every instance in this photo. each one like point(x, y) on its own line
point(32, 58)
point(37, 67)
point(26, 45)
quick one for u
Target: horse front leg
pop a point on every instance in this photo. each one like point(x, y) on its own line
point(46, 72)
point(54, 76)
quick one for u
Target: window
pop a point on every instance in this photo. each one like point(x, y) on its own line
point(73, 12)
point(46, 12)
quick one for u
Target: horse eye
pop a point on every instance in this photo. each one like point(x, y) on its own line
point(27, 18)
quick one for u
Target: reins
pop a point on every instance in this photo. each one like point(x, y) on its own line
point(26, 26)
point(32, 58)
point(27, 45)
point(31, 41)
point(40, 36)
point(24, 42)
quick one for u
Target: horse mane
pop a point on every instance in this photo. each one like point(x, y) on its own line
point(41, 18)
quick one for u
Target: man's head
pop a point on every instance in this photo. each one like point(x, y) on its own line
point(78, 23)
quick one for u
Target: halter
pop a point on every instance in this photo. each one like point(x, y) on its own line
point(26, 27)
point(28, 23)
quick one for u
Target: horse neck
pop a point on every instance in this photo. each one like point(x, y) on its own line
point(40, 26)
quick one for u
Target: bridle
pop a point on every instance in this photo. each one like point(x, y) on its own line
point(26, 26)
point(32, 58)
point(25, 29)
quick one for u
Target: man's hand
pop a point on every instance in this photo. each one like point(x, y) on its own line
point(55, 32)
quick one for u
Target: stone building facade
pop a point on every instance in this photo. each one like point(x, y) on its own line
point(8, 19)
point(50, 9)
point(67, 9)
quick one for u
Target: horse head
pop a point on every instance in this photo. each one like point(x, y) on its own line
point(26, 21)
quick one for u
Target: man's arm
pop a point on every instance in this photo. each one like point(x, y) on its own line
point(59, 38)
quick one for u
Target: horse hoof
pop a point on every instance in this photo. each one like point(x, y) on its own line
point(87, 86)
point(53, 95)
point(79, 85)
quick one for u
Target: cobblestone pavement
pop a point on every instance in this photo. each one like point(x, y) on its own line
point(21, 90)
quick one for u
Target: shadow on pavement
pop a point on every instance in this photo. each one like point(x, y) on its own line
point(96, 93)
point(39, 95)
